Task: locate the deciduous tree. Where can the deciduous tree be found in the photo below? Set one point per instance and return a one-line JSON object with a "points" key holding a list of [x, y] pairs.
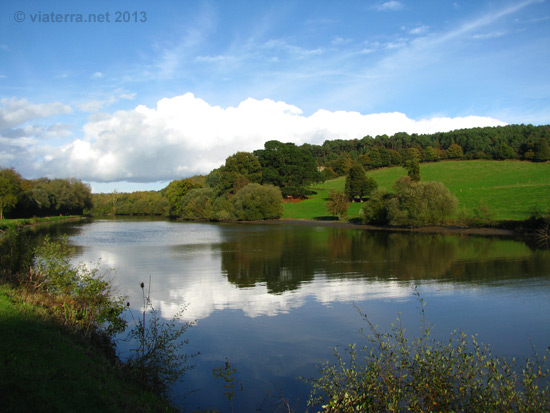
{"points": [[10, 189]]}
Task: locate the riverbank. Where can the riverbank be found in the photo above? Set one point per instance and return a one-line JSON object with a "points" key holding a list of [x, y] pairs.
{"points": [[45, 366], [447, 230], [6, 224], [49, 359]]}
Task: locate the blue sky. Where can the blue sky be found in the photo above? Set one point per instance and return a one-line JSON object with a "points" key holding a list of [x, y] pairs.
{"points": [[133, 105]]}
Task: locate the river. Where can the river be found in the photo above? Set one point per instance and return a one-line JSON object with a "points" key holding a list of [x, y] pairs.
{"points": [[275, 300]]}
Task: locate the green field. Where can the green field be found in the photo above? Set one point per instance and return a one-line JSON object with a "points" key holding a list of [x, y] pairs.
{"points": [[511, 189]]}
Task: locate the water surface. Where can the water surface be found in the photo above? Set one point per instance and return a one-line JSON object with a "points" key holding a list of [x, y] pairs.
{"points": [[276, 299]]}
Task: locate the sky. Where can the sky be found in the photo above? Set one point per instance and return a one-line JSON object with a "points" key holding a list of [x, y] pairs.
{"points": [[131, 95]]}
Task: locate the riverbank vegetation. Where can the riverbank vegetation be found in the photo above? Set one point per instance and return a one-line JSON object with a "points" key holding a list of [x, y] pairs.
{"points": [[58, 324], [394, 372]]}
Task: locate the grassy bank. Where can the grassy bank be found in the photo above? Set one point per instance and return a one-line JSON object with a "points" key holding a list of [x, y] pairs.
{"points": [[43, 366], [6, 224], [512, 190]]}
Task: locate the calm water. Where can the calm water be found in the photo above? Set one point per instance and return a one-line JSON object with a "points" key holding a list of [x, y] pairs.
{"points": [[276, 299]]}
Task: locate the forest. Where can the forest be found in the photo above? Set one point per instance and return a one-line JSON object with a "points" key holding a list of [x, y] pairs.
{"points": [[240, 189], [26, 198]]}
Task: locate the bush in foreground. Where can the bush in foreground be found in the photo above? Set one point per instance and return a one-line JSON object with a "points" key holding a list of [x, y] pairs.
{"points": [[395, 373]]}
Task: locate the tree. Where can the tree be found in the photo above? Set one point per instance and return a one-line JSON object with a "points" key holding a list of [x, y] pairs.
{"points": [[258, 202], [10, 189], [197, 204], [541, 151], [358, 184], [289, 167], [413, 169], [375, 209], [176, 191], [430, 154], [505, 152], [454, 151], [420, 203], [337, 204], [239, 170]]}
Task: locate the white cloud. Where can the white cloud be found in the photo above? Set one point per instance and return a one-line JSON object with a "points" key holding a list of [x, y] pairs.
{"points": [[97, 75], [490, 35], [389, 6], [185, 135], [14, 112], [419, 30]]}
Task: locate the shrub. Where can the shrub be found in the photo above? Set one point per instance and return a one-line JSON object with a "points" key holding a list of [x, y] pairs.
{"points": [[159, 360], [375, 211], [420, 203], [338, 204], [413, 204], [395, 373], [87, 300], [257, 202]]}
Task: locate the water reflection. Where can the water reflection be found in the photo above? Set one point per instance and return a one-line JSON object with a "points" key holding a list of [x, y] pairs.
{"points": [[276, 299], [272, 269]]}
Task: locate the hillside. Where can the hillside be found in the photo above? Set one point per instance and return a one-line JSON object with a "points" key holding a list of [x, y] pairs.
{"points": [[511, 189]]}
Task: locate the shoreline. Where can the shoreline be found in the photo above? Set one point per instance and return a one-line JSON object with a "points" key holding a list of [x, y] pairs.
{"points": [[445, 230]]}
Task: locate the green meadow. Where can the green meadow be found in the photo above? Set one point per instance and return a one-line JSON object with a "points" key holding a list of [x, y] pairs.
{"points": [[512, 190]]}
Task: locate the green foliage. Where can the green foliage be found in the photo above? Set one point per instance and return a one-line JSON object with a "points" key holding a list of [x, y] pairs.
{"points": [[45, 197], [420, 203], [82, 295], [413, 204], [375, 211], [257, 202], [10, 189], [413, 169], [221, 209], [227, 373], [337, 204], [175, 193], [395, 373], [454, 151], [541, 151], [288, 166], [239, 170], [358, 185], [159, 360], [197, 204], [43, 368], [135, 203], [16, 253]]}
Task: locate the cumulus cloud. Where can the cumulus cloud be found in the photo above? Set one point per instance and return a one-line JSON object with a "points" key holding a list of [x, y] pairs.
{"points": [[185, 135]]}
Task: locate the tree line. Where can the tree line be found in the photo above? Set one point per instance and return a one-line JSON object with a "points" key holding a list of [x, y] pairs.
{"points": [[237, 189], [26, 198], [248, 186], [520, 142]]}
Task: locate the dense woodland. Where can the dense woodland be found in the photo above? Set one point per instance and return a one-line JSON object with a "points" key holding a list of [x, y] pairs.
{"points": [[26, 198], [522, 142], [279, 170]]}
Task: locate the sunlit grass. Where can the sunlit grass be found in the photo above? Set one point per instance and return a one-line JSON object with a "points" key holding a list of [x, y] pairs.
{"points": [[511, 189]]}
